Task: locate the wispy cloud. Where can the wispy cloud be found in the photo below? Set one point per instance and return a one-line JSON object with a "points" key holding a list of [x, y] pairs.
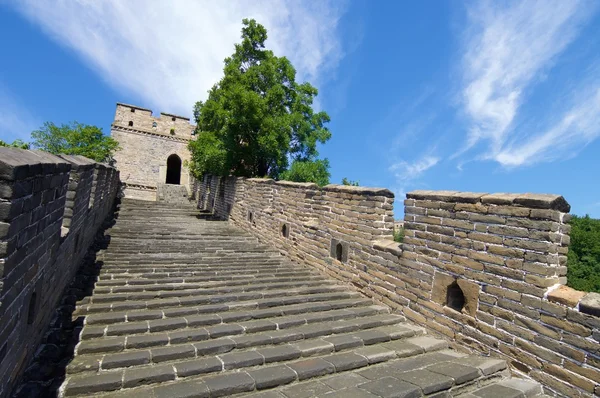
{"points": [[405, 171], [16, 122], [170, 53], [509, 48]]}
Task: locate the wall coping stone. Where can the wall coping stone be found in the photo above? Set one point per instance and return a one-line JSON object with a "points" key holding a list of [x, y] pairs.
{"points": [[530, 200], [359, 190], [388, 245], [16, 164], [565, 295], [590, 304], [79, 161], [311, 185]]}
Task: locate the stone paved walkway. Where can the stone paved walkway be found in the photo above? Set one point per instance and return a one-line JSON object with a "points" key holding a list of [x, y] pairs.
{"points": [[187, 307]]}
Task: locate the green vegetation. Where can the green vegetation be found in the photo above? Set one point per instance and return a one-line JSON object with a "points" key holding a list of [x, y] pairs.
{"points": [[584, 254], [75, 139], [399, 235], [15, 144], [257, 118], [351, 183], [316, 171]]}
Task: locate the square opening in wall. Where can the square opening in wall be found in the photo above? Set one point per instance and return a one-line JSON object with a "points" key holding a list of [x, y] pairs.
{"points": [[458, 294]]}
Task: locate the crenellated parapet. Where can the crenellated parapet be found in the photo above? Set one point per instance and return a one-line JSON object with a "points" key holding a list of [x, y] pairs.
{"points": [[486, 271], [50, 210]]}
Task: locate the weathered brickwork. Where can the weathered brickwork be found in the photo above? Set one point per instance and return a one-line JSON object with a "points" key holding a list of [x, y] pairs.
{"points": [[50, 210], [146, 143], [484, 270]]}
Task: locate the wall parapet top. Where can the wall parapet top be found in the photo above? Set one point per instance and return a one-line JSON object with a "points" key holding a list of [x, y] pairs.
{"points": [[531, 200], [354, 190]]}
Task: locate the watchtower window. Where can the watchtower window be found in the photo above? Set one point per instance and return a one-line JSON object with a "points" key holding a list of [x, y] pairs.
{"points": [[455, 297], [130, 123], [132, 110], [154, 124], [173, 119]]}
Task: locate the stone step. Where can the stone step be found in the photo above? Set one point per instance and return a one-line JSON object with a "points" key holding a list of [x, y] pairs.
{"points": [[228, 364], [508, 388], [177, 346]]}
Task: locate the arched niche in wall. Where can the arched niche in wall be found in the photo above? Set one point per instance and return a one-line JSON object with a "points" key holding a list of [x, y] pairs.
{"points": [[173, 170]]}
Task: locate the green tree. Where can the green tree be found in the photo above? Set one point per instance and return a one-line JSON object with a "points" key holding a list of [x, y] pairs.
{"points": [[316, 171], [75, 139], [583, 259], [257, 117], [351, 183], [15, 144]]}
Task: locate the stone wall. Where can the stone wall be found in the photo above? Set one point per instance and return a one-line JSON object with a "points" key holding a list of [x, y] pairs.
{"points": [[50, 208], [486, 271], [145, 144]]}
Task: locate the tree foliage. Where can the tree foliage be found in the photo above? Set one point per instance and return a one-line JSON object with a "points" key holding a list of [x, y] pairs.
{"points": [[15, 144], [351, 183], [257, 117], [584, 254], [316, 171], [75, 139]]}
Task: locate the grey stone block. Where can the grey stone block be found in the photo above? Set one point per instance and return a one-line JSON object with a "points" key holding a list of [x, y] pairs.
{"points": [[344, 380], [167, 324], [188, 335], [101, 345], [214, 346], [314, 347], [147, 340], [224, 330], [390, 387], [496, 390], [272, 376], [251, 340], [403, 349], [306, 390], [198, 366], [312, 368], [236, 360], [95, 383], [344, 342], [376, 354], [126, 359], [372, 336], [173, 352], [280, 353], [203, 320], [229, 384], [346, 361], [590, 304], [460, 373], [127, 328], [182, 389], [429, 382], [149, 375]]}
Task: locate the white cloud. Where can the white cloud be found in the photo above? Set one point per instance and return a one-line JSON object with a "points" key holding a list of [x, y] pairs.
{"points": [[170, 53], [405, 171], [16, 122], [508, 49], [577, 126]]}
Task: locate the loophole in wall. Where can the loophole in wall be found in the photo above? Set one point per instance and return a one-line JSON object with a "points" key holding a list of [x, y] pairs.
{"points": [[339, 252], [285, 231], [250, 216], [130, 123], [455, 297]]}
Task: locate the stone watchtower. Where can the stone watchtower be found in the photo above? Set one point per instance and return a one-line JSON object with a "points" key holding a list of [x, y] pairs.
{"points": [[153, 152]]}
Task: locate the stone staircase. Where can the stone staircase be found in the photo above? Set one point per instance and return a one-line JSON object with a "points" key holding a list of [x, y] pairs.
{"points": [[187, 307], [172, 194]]}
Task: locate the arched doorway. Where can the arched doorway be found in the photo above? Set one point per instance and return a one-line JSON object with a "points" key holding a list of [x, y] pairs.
{"points": [[173, 170]]}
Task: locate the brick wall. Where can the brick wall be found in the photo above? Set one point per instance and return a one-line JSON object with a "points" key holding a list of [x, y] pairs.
{"points": [[50, 210], [485, 271]]}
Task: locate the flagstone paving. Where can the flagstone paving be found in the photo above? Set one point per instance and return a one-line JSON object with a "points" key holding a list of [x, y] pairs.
{"points": [[188, 307]]}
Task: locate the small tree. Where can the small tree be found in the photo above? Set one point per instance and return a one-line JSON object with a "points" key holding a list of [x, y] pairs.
{"points": [[15, 144], [257, 117], [75, 139], [351, 183]]}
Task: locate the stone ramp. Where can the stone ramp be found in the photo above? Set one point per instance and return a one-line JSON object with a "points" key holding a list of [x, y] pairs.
{"points": [[186, 307], [173, 194]]}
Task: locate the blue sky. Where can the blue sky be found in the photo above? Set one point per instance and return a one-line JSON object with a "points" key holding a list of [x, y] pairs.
{"points": [[470, 96]]}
